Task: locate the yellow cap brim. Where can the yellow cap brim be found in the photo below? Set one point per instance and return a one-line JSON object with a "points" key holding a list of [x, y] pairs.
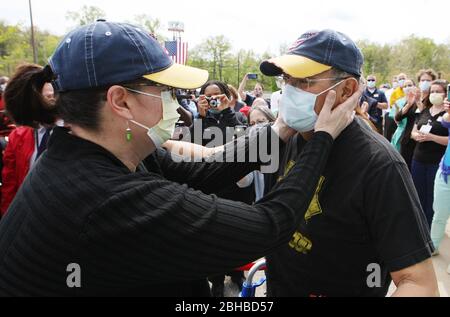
{"points": [[294, 65], [180, 76]]}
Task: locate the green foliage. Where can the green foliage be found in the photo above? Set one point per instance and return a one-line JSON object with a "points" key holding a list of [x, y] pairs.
{"points": [[217, 55], [86, 15], [15, 46], [408, 56], [153, 26]]}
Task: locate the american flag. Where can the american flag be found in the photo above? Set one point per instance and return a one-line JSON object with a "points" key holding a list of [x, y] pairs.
{"points": [[177, 50]]}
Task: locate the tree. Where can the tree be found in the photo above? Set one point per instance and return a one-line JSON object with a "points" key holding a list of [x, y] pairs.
{"points": [[216, 55], [377, 60], [153, 26], [15, 46], [86, 15]]}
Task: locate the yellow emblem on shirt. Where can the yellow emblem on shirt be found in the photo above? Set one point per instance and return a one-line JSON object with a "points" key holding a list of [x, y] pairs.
{"points": [[314, 207], [300, 243]]}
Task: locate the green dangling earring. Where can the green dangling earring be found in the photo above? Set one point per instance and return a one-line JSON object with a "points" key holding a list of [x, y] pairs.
{"points": [[129, 136]]}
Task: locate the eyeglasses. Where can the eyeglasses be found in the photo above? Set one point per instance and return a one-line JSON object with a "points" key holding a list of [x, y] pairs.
{"points": [[305, 83], [371, 80], [164, 88]]}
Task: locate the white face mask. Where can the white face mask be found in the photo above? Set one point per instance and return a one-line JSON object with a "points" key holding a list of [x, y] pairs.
{"points": [[437, 99], [164, 130], [371, 84], [425, 85], [297, 108], [407, 90]]}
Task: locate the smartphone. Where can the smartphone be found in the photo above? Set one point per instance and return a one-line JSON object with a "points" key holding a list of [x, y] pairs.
{"points": [[448, 92], [252, 76]]}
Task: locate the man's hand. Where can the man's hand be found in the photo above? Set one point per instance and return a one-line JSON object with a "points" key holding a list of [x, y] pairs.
{"points": [[335, 121]]}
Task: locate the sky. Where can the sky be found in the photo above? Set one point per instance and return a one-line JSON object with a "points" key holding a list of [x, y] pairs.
{"points": [[260, 25]]}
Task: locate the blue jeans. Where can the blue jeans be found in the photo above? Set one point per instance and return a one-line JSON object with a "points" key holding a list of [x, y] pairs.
{"points": [[423, 176], [442, 209]]}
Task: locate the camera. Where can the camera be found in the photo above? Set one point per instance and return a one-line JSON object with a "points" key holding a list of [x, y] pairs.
{"points": [[213, 102], [252, 76]]}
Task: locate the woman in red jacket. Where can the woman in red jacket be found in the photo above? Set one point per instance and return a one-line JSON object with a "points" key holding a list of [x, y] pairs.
{"points": [[27, 142]]}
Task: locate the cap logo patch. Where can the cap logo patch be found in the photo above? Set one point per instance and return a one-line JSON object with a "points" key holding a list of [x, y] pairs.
{"points": [[305, 37]]}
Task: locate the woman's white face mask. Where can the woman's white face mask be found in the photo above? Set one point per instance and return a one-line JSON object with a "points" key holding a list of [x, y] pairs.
{"points": [[164, 130]]}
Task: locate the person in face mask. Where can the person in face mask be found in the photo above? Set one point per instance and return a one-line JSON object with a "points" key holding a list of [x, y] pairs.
{"points": [[390, 125], [425, 77], [95, 221], [376, 113], [330, 249], [407, 110], [432, 139], [398, 92]]}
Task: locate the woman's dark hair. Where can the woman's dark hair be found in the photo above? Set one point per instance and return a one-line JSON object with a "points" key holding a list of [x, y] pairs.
{"points": [[222, 87], [23, 96], [27, 106]]}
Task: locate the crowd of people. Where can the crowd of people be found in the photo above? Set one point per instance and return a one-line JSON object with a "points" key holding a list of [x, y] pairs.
{"points": [[89, 175]]}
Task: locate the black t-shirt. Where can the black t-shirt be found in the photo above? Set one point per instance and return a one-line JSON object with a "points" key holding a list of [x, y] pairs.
{"points": [[430, 152], [365, 211], [374, 112], [249, 99]]}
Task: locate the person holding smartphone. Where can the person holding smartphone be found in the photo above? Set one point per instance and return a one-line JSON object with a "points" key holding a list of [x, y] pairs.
{"points": [[258, 91]]}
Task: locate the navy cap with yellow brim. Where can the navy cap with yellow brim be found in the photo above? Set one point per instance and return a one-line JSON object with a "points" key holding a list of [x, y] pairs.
{"points": [[315, 52], [294, 65], [180, 76], [104, 53]]}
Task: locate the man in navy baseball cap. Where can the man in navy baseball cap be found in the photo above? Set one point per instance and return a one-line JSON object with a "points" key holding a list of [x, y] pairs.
{"points": [[352, 226], [316, 52]]}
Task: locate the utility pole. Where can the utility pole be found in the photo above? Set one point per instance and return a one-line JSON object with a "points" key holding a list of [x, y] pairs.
{"points": [[33, 43], [238, 69]]}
